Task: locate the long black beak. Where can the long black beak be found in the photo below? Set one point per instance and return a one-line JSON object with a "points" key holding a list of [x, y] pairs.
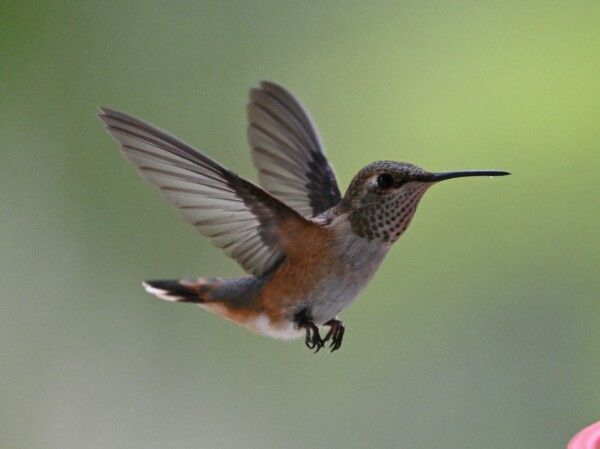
{"points": [[461, 174]]}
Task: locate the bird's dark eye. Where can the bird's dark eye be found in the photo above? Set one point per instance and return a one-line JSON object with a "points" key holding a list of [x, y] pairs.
{"points": [[385, 181]]}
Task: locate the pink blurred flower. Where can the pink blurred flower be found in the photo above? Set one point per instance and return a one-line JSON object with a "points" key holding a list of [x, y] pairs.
{"points": [[588, 438]]}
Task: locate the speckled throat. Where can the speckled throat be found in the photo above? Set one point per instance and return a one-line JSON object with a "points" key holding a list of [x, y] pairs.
{"points": [[388, 219]]}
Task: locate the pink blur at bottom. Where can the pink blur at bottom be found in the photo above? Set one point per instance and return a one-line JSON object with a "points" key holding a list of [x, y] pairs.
{"points": [[588, 438]]}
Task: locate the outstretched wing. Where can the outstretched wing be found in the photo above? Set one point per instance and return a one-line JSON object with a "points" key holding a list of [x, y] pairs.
{"points": [[287, 151], [238, 216]]}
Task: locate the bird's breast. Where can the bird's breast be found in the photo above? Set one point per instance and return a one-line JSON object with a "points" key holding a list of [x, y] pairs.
{"points": [[358, 261], [324, 274]]}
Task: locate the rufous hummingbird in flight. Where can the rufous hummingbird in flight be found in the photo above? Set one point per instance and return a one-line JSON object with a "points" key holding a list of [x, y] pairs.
{"points": [[308, 250]]}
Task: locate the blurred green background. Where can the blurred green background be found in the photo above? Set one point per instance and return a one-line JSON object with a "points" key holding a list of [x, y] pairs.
{"points": [[481, 329]]}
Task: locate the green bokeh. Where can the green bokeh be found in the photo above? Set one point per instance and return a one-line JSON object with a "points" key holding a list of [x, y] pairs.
{"points": [[481, 329]]}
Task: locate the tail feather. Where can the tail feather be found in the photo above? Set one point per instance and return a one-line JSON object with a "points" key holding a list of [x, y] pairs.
{"points": [[178, 291], [236, 293]]}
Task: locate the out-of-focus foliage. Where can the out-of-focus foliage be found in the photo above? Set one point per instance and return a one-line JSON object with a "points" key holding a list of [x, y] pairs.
{"points": [[481, 329]]}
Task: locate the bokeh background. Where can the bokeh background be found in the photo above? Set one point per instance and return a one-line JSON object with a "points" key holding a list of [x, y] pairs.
{"points": [[482, 328]]}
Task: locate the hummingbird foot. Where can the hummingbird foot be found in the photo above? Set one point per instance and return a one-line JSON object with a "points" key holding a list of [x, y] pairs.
{"points": [[313, 338], [336, 334]]}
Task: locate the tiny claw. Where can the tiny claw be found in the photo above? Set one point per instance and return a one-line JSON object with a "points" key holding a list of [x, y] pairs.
{"points": [[313, 339], [336, 334]]}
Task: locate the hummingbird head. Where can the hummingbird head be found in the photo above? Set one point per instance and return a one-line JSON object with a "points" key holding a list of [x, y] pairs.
{"points": [[383, 197]]}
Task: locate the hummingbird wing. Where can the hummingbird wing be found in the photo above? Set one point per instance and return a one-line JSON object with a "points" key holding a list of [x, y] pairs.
{"points": [[288, 153], [238, 216]]}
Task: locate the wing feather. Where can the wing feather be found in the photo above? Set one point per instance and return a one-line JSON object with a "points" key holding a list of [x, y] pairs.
{"points": [[238, 216], [288, 153]]}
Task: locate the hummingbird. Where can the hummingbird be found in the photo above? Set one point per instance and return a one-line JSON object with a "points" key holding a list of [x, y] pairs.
{"points": [[307, 250]]}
